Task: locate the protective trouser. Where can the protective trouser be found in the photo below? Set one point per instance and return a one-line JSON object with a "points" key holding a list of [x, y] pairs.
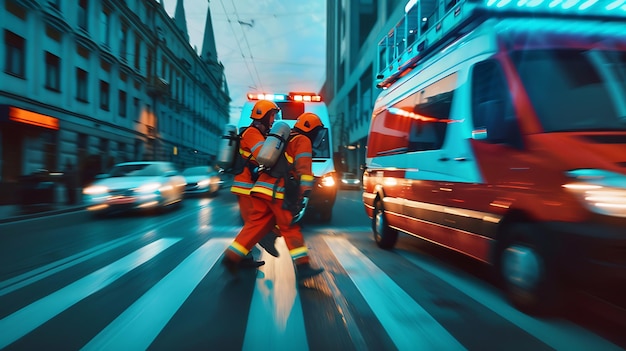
{"points": [[261, 218]]}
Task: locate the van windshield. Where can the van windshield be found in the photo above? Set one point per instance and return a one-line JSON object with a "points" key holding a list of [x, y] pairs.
{"points": [[321, 145], [575, 90]]}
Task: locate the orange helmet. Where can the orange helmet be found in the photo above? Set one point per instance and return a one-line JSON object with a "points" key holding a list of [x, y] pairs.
{"points": [[262, 107], [308, 121]]}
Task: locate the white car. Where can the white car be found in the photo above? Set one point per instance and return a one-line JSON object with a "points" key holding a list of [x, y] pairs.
{"points": [[135, 186], [202, 181]]}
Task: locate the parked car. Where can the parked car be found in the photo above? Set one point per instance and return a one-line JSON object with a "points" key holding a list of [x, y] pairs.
{"points": [[202, 181], [350, 181], [135, 186]]}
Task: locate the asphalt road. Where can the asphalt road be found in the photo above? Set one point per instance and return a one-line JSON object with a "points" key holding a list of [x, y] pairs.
{"points": [[128, 282]]}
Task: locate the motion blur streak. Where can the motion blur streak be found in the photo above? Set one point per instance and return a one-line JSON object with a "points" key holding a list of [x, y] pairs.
{"points": [[32, 316], [276, 302], [406, 322], [140, 324]]}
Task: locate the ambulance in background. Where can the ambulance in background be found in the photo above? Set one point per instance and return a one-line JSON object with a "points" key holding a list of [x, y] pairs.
{"points": [[500, 133], [292, 105]]}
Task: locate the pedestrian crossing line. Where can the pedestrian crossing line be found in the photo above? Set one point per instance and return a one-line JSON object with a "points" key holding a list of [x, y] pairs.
{"points": [[275, 320], [557, 335], [43, 272], [404, 320], [32, 316], [138, 326]]}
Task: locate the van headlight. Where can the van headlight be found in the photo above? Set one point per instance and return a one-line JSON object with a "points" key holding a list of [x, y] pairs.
{"points": [[328, 180], [600, 191]]}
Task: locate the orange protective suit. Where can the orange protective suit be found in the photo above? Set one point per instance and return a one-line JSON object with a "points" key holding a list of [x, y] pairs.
{"points": [[266, 198], [249, 146]]}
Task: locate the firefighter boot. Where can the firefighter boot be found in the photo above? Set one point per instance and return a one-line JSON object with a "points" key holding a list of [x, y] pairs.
{"points": [[305, 271], [249, 262], [246, 262], [268, 243]]}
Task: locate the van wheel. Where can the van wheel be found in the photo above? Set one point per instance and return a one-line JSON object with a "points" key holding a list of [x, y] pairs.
{"points": [[526, 271], [384, 235]]}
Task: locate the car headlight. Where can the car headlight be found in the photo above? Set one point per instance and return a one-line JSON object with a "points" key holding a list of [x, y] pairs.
{"points": [[327, 180], [204, 183], [95, 190], [600, 191], [148, 188]]}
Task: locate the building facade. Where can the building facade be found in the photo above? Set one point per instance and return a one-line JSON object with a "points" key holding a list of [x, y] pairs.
{"points": [[354, 30], [90, 83]]}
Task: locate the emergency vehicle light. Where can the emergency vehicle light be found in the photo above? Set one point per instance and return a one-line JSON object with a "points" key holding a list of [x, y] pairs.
{"points": [[613, 7], [423, 28], [292, 96], [270, 97]]}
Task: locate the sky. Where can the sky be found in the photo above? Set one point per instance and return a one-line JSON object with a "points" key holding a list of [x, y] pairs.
{"points": [[272, 46]]}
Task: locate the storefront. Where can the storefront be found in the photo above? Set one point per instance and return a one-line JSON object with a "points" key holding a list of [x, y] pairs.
{"points": [[28, 142]]}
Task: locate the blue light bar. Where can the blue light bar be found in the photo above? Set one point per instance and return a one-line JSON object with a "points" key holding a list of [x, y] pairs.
{"points": [[292, 96], [562, 7]]}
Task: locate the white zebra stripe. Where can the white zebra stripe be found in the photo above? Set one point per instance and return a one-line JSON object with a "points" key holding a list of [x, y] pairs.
{"points": [[32, 316], [406, 322], [141, 323], [275, 320]]}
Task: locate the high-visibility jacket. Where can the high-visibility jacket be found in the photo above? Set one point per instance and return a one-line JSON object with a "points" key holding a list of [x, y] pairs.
{"points": [[298, 153], [249, 146]]}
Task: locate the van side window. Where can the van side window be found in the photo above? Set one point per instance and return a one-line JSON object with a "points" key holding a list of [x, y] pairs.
{"points": [[492, 109], [432, 114], [418, 122]]}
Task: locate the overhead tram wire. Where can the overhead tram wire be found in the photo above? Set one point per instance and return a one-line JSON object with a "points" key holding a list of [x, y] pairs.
{"points": [[245, 37], [230, 24]]}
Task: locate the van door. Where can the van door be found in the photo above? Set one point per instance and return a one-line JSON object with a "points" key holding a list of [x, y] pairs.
{"points": [[427, 164]]}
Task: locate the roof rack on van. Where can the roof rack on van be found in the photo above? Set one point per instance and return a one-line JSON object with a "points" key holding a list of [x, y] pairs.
{"points": [[430, 25]]}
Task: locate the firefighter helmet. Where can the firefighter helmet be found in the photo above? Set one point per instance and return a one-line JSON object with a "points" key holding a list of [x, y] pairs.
{"points": [[308, 121], [262, 107]]}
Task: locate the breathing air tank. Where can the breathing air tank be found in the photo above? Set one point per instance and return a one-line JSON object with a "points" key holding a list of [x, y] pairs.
{"points": [[274, 144], [228, 147]]}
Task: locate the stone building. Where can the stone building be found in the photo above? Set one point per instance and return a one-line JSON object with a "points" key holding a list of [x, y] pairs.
{"points": [[95, 82]]}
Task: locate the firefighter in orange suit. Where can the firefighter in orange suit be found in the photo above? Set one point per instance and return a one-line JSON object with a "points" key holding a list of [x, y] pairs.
{"points": [[271, 202], [263, 114]]}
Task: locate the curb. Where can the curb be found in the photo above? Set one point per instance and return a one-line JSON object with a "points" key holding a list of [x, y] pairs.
{"points": [[22, 217]]}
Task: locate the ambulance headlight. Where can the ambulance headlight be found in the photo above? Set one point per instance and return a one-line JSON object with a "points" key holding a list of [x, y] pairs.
{"points": [[328, 180], [600, 191]]}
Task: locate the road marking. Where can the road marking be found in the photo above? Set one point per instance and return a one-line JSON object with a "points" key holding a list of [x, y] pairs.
{"points": [[32, 316], [404, 320], [40, 273], [275, 320], [138, 326], [559, 335]]}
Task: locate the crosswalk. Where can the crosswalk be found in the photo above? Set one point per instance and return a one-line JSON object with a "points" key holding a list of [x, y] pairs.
{"points": [[360, 302]]}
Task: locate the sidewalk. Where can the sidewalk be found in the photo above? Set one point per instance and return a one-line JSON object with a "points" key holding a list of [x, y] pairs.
{"points": [[13, 213]]}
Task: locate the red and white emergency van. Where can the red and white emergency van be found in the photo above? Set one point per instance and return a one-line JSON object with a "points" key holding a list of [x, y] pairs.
{"points": [[500, 133], [292, 105]]}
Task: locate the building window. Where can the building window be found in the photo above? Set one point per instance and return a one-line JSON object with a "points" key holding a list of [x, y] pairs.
{"points": [[122, 103], [136, 111], [81, 85], [123, 42], [104, 26], [137, 51], [82, 15], [15, 58], [53, 72], [104, 95]]}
